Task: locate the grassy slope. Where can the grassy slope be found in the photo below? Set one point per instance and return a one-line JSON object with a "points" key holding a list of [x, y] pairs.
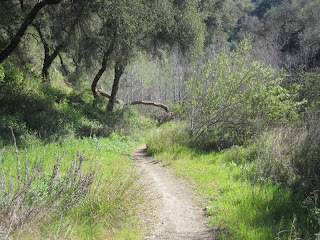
{"points": [[241, 210], [110, 209]]}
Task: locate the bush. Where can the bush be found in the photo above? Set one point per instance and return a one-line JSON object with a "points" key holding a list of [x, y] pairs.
{"points": [[169, 134], [275, 150], [310, 88], [230, 98], [290, 155]]}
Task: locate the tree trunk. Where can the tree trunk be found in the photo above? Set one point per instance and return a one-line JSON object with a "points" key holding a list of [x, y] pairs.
{"points": [[27, 21], [21, 4], [64, 67], [48, 60], [118, 71], [103, 68]]}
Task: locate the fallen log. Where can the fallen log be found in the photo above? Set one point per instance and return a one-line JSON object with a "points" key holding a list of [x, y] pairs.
{"points": [[155, 104], [152, 104]]}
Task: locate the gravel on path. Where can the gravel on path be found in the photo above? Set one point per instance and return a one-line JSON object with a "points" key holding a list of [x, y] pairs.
{"points": [[175, 213]]}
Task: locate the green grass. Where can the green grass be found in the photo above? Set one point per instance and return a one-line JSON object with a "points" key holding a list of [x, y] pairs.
{"points": [[240, 209], [110, 209]]}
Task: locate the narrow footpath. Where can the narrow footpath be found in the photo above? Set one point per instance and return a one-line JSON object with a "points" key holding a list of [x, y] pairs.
{"points": [[175, 213]]}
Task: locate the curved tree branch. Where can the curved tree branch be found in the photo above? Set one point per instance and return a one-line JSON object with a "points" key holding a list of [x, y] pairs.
{"points": [[150, 103], [107, 95], [155, 104]]}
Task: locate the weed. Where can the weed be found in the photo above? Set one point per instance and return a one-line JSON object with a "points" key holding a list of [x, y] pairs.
{"points": [[71, 189], [31, 196]]}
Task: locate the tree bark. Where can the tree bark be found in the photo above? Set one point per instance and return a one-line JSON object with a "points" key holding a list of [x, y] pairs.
{"points": [[64, 67], [155, 104], [152, 104], [21, 4], [107, 95], [103, 68], [118, 71], [27, 21], [48, 60]]}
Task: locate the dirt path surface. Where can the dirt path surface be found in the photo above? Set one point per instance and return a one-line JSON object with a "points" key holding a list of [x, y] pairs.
{"points": [[175, 214]]}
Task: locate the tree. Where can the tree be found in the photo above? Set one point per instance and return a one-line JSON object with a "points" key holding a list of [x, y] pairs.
{"points": [[56, 28], [222, 17], [48, 58], [26, 23], [287, 34], [144, 25], [264, 5]]}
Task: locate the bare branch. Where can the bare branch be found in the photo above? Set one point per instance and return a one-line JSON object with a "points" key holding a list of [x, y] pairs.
{"points": [[107, 95], [150, 103]]}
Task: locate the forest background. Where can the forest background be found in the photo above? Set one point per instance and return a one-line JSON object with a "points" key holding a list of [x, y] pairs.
{"points": [[236, 78]]}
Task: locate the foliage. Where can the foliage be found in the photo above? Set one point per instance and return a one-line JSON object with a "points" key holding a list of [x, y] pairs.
{"points": [[310, 89], [222, 17], [287, 35], [51, 111], [170, 134], [231, 94]]}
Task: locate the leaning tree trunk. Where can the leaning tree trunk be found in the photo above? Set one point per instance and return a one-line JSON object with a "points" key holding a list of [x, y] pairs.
{"points": [[118, 71], [103, 68], [48, 60], [27, 21]]}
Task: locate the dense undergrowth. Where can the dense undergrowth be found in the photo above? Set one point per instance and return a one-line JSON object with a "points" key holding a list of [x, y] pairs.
{"points": [[52, 110], [265, 189], [68, 174]]}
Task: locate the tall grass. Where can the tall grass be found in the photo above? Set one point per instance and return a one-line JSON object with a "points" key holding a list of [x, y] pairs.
{"points": [[74, 189], [240, 207]]}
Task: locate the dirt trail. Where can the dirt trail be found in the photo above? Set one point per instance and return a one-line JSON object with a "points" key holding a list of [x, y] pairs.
{"points": [[176, 214]]}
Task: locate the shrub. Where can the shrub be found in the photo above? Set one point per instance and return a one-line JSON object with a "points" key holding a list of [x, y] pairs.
{"points": [[169, 134], [291, 155], [310, 88], [231, 97], [275, 150]]}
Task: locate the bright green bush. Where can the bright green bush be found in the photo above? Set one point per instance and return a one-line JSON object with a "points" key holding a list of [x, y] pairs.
{"points": [[170, 134], [231, 97]]}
